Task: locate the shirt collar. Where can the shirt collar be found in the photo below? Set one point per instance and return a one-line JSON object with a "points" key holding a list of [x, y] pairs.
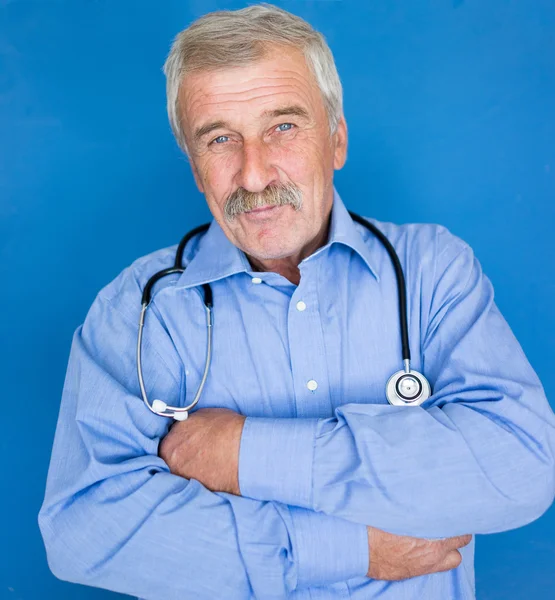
{"points": [[343, 230], [217, 257]]}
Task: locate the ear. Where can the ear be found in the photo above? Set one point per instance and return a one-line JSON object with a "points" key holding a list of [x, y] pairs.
{"points": [[340, 138]]}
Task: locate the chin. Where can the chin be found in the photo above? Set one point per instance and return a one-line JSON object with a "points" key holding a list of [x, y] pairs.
{"points": [[268, 254], [272, 251]]}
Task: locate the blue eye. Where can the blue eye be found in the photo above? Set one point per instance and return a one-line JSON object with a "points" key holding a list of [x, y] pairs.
{"points": [[221, 139], [285, 127]]}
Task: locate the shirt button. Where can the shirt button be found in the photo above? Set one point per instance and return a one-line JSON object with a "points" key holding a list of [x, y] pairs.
{"points": [[256, 280], [301, 305], [312, 385]]}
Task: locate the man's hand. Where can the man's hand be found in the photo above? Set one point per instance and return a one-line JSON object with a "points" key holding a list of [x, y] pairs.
{"points": [[395, 557], [205, 447]]}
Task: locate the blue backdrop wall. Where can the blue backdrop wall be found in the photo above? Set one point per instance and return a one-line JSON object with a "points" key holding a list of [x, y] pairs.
{"points": [[451, 113]]}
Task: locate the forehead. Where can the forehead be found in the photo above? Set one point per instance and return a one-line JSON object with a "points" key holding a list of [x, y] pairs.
{"points": [[282, 76]]}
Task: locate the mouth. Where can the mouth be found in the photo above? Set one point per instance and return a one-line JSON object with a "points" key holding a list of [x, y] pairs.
{"points": [[264, 212], [261, 209]]}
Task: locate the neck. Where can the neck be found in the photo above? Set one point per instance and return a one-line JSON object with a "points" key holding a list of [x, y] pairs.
{"points": [[288, 266]]}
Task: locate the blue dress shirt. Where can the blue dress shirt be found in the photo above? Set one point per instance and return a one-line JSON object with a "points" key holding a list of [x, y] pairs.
{"points": [[322, 453]]}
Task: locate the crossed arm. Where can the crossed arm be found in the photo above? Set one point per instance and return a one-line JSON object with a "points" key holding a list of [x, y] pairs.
{"points": [[477, 457], [115, 516], [206, 448]]}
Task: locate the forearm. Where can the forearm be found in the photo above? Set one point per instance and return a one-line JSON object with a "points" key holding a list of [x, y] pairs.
{"points": [[155, 542], [115, 517], [425, 473], [476, 457], [171, 538]]}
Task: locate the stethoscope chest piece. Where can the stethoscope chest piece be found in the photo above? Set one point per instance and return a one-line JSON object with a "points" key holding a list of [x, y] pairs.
{"points": [[407, 389]]}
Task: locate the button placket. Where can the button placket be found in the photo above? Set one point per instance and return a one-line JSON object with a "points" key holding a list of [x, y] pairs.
{"points": [[306, 348]]}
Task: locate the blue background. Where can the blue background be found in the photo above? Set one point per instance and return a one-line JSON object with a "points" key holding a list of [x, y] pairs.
{"points": [[451, 113]]}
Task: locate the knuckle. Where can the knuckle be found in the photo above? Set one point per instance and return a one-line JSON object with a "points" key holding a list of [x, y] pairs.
{"points": [[439, 551], [169, 451], [173, 456]]}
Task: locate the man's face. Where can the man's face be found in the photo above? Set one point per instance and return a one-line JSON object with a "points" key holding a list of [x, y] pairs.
{"points": [[263, 125]]}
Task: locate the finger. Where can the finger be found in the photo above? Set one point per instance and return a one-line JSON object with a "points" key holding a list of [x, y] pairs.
{"points": [[451, 561], [458, 542], [467, 538]]}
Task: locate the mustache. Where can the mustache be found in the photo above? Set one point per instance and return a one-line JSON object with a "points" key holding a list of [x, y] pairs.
{"points": [[276, 194]]}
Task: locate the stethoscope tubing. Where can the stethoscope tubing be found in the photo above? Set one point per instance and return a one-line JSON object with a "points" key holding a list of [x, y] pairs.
{"points": [[396, 394]]}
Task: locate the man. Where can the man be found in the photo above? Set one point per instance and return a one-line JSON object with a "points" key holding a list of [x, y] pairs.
{"points": [[293, 476]]}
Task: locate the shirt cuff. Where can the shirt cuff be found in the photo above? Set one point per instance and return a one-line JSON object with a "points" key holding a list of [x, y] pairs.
{"points": [[327, 549], [275, 460]]}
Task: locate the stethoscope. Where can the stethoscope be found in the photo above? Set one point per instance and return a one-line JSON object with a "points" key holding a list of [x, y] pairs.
{"points": [[403, 388]]}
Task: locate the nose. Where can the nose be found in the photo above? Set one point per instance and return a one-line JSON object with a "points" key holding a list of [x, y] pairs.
{"points": [[256, 171]]}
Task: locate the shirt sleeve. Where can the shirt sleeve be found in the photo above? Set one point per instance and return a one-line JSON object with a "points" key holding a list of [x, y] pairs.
{"points": [[477, 457], [116, 518]]}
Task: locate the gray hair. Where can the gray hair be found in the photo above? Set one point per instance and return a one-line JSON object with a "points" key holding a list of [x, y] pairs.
{"points": [[229, 38]]}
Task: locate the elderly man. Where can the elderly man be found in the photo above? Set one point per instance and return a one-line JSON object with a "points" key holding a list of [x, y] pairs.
{"points": [[293, 477]]}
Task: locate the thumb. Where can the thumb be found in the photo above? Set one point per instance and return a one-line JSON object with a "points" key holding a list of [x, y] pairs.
{"points": [[451, 561]]}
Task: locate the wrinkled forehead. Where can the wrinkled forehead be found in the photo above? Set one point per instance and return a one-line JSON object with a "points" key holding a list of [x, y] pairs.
{"points": [[281, 77]]}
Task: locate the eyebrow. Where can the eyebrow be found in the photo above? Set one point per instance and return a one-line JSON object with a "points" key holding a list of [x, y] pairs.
{"points": [[209, 127], [294, 110]]}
